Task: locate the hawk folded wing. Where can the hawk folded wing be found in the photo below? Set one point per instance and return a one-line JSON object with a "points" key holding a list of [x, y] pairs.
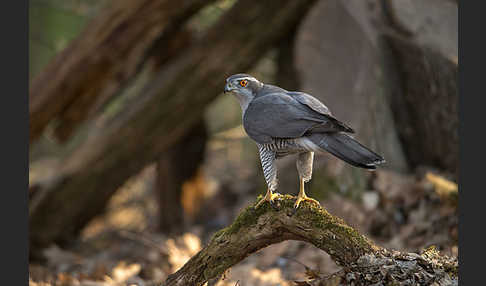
{"points": [[288, 115]]}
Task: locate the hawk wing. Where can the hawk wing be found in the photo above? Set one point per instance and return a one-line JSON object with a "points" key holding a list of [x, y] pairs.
{"points": [[286, 115], [319, 107]]}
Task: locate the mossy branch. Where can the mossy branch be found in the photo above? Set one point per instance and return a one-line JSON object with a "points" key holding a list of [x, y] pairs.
{"points": [[255, 229]]}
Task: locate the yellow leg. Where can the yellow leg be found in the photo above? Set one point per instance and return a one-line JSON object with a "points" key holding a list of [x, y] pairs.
{"points": [[302, 196], [269, 197]]}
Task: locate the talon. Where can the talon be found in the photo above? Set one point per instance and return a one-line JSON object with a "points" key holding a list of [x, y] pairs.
{"points": [[303, 197], [269, 197]]}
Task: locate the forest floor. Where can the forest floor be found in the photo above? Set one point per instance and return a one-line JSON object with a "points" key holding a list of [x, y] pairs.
{"points": [[123, 247]]}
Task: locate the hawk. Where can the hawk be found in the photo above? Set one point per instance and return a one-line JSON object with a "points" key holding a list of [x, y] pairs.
{"points": [[285, 122]]}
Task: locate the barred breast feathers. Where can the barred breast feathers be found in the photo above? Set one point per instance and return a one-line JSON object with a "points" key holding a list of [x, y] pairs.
{"points": [[291, 145], [280, 144]]}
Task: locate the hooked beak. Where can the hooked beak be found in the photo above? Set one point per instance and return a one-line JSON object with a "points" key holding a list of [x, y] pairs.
{"points": [[227, 88]]}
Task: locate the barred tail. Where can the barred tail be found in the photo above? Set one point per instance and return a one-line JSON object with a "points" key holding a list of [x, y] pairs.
{"points": [[347, 149]]}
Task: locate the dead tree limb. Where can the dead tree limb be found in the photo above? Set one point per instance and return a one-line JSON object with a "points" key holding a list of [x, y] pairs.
{"points": [[256, 229], [168, 106]]}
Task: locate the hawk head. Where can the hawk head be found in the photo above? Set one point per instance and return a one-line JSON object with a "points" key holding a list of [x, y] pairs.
{"points": [[244, 86]]}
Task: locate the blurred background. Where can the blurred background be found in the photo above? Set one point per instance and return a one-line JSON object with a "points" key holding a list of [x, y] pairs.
{"points": [[137, 157]]}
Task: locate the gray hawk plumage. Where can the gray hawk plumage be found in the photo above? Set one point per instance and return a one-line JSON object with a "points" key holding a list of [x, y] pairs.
{"points": [[284, 122]]}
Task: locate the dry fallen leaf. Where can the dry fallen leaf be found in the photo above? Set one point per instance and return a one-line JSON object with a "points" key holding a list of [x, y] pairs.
{"points": [[181, 249], [123, 272]]}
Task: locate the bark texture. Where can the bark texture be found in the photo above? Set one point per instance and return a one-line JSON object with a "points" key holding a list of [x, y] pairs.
{"points": [[168, 106], [424, 43], [100, 61], [366, 262]]}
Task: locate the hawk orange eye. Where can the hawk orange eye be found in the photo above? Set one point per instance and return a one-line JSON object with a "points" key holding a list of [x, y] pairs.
{"points": [[243, 83]]}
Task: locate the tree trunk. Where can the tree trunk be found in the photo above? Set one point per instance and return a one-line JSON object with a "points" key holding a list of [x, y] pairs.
{"points": [[176, 166], [287, 74], [340, 63], [168, 106], [424, 43], [99, 62], [367, 263]]}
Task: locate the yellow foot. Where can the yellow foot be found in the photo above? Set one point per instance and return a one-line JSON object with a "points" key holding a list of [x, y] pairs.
{"points": [[269, 197], [304, 198]]}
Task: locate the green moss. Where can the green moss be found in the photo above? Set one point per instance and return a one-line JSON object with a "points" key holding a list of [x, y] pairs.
{"points": [[320, 218], [218, 233], [249, 216], [309, 212]]}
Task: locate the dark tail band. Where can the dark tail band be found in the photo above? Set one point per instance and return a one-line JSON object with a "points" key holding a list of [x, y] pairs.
{"points": [[347, 149]]}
